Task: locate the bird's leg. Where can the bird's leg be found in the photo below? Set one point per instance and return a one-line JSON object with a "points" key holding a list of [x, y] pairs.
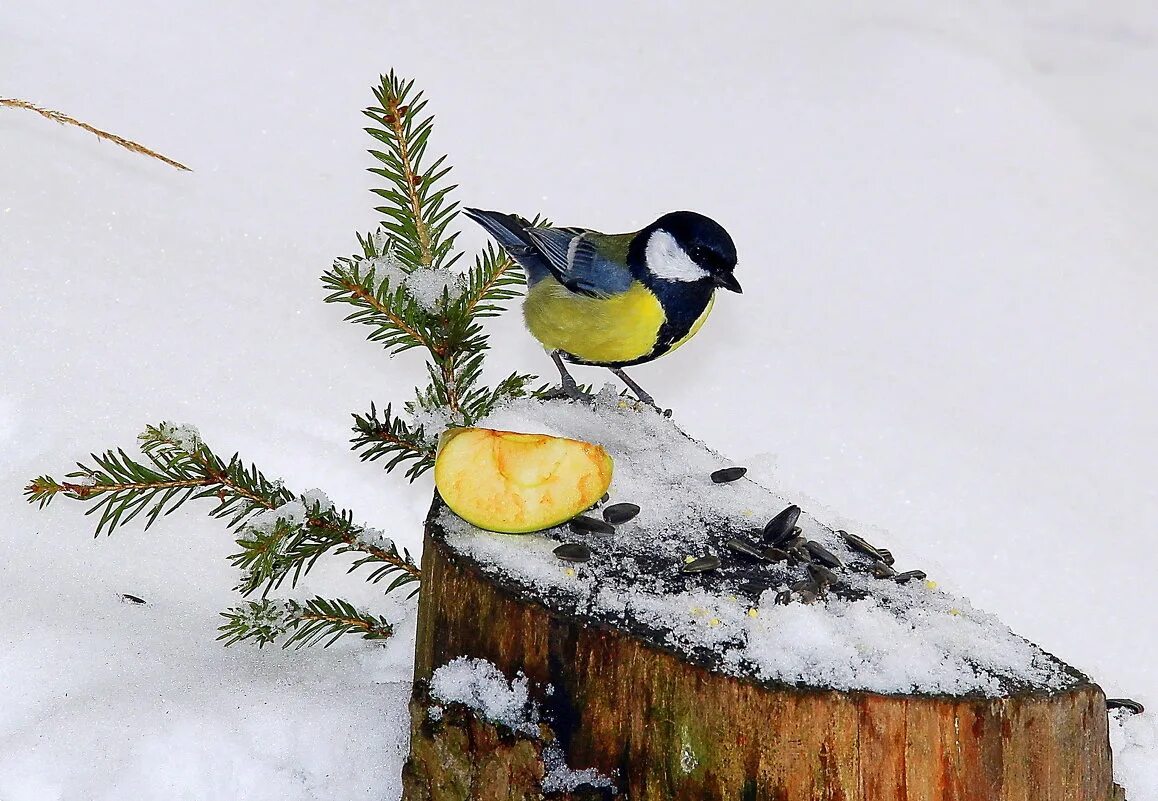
{"points": [[643, 396], [569, 387]]}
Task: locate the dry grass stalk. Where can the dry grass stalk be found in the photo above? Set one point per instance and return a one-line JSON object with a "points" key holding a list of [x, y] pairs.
{"points": [[64, 119]]}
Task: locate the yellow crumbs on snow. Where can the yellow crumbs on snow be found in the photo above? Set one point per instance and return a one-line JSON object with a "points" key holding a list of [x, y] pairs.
{"points": [[753, 612], [955, 611], [714, 621], [569, 572], [689, 559], [932, 585]]}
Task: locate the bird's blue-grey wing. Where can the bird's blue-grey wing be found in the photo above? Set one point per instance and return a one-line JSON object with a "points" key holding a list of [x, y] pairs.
{"points": [[578, 264]]}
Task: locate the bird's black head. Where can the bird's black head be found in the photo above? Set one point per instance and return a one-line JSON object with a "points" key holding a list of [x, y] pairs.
{"points": [[685, 246]]}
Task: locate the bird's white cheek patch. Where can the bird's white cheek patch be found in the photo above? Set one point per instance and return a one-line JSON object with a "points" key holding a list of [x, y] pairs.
{"points": [[666, 259]]}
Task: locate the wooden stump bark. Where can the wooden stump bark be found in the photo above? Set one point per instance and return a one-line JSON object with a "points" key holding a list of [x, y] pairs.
{"points": [[664, 728]]}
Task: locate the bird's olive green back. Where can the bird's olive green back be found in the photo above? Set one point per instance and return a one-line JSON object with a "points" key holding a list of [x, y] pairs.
{"points": [[612, 247]]}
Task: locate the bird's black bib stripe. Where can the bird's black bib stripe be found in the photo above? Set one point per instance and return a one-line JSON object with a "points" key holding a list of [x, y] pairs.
{"points": [[683, 303]]}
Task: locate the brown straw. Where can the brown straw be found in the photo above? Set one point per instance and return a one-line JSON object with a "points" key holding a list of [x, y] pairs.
{"points": [[64, 119]]}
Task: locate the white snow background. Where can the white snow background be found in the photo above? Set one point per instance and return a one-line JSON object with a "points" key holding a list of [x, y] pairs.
{"points": [[947, 338]]}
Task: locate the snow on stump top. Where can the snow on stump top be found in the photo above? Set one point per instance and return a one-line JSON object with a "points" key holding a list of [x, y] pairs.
{"points": [[691, 651]]}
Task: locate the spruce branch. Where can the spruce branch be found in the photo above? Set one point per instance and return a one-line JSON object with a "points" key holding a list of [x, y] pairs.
{"points": [[481, 402], [123, 488], [418, 208], [403, 287], [388, 435], [320, 619], [287, 550], [267, 621], [281, 534], [398, 322], [494, 279]]}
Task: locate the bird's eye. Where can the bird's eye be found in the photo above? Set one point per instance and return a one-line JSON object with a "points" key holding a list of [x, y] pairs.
{"points": [[699, 253]]}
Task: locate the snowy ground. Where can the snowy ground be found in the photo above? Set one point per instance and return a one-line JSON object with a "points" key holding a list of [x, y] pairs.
{"points": [[947, 338]]}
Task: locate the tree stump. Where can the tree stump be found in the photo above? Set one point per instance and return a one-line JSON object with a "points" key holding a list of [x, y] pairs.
{"points": [[666, 717]]}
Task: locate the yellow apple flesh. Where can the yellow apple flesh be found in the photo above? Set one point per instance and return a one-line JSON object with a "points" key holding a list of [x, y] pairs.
{"points": [[517, 483]]}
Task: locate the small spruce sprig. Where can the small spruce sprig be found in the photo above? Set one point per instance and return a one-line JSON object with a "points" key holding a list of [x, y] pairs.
{"points": [[403, 284]]}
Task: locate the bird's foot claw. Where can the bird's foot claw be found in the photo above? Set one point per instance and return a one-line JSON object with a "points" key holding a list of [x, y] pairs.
{"points": [[662, 412], [574, 393], [568, 393]]}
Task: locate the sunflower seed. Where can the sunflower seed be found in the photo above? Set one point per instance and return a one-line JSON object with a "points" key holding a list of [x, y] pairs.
{"points": [[573, 552], [1128, 704], [779, 529], [858, 544], [822, 575], [799, 554], [590, 525], [728, 474], [809, 591], [133, 599], [886, 556], [909, 575], [881, 570], [776, 555], [822, 554], [702, 564], [745, 548], [783, 598], [618, 513]]}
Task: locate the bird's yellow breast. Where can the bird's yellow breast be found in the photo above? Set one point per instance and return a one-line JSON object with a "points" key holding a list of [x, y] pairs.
{"points": [[621, 328]]}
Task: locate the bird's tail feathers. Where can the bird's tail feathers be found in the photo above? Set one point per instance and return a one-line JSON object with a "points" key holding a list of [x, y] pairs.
{"points": [[511, 232]]}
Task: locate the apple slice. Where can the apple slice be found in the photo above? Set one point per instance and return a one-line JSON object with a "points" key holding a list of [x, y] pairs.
{"points": [[516, 483]]}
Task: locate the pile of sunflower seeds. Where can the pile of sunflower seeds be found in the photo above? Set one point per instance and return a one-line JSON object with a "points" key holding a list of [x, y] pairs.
{"points": [[779, 541]]}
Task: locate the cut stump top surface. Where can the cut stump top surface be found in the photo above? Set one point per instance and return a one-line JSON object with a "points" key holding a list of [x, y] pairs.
{"points": [[865, 634]]}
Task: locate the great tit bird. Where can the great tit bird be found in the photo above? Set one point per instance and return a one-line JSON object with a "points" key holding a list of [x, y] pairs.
{"points": [[615, 300]]}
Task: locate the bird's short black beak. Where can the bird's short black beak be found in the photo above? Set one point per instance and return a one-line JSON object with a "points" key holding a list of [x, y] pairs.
{"points": [[728, 282]]}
